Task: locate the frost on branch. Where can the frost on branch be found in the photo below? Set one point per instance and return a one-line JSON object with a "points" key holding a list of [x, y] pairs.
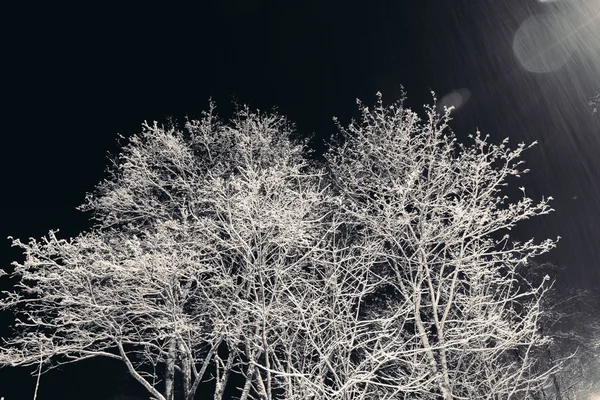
{"points": [[221, 254], [594, 103], [193, 228], [436, 209]]}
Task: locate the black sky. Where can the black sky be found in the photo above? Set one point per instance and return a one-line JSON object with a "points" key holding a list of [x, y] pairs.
{"points": [[75, 77]]}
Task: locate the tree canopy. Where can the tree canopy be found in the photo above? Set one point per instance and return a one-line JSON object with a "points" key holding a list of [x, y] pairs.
{"points": [[221, 256]]}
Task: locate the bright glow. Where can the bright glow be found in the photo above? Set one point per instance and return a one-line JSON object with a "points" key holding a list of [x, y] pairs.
{"points": [[457, 98], [541, 43], [594, 396], [547, 41]]}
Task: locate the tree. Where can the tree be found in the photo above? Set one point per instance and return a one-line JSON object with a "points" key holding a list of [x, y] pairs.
{"points": [[166, 281], [574, 323], [571, 317], [436, 207], [220, 253]]}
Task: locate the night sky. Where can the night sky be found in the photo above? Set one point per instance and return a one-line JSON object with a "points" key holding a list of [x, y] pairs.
{"points": [[75, 78]]}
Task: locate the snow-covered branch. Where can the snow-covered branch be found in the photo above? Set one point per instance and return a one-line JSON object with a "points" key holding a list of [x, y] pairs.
{"points": [[221, 252]]}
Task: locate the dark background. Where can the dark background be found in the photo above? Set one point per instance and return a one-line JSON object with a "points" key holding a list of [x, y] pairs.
{"points": [[77, 76]]}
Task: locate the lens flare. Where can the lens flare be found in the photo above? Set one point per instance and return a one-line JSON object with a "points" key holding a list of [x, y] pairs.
{"points": [[546, 42]]}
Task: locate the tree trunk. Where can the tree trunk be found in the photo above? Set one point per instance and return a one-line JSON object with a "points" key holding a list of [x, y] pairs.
{"points": [[200, 374], [170, 371], [262, 391], [222, 381], [248, 383], [186, 369]]}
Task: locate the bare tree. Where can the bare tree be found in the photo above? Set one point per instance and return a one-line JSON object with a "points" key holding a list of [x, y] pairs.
{"points": [[571, 317], [575, 327], [438, 210], [170, 281], [220, 253]]}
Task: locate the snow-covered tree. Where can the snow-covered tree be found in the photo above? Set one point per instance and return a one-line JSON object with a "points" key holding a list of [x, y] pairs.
{"points": [[574, 324], [220, 253], [572, 317], [464, 327], [173, 279]]}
